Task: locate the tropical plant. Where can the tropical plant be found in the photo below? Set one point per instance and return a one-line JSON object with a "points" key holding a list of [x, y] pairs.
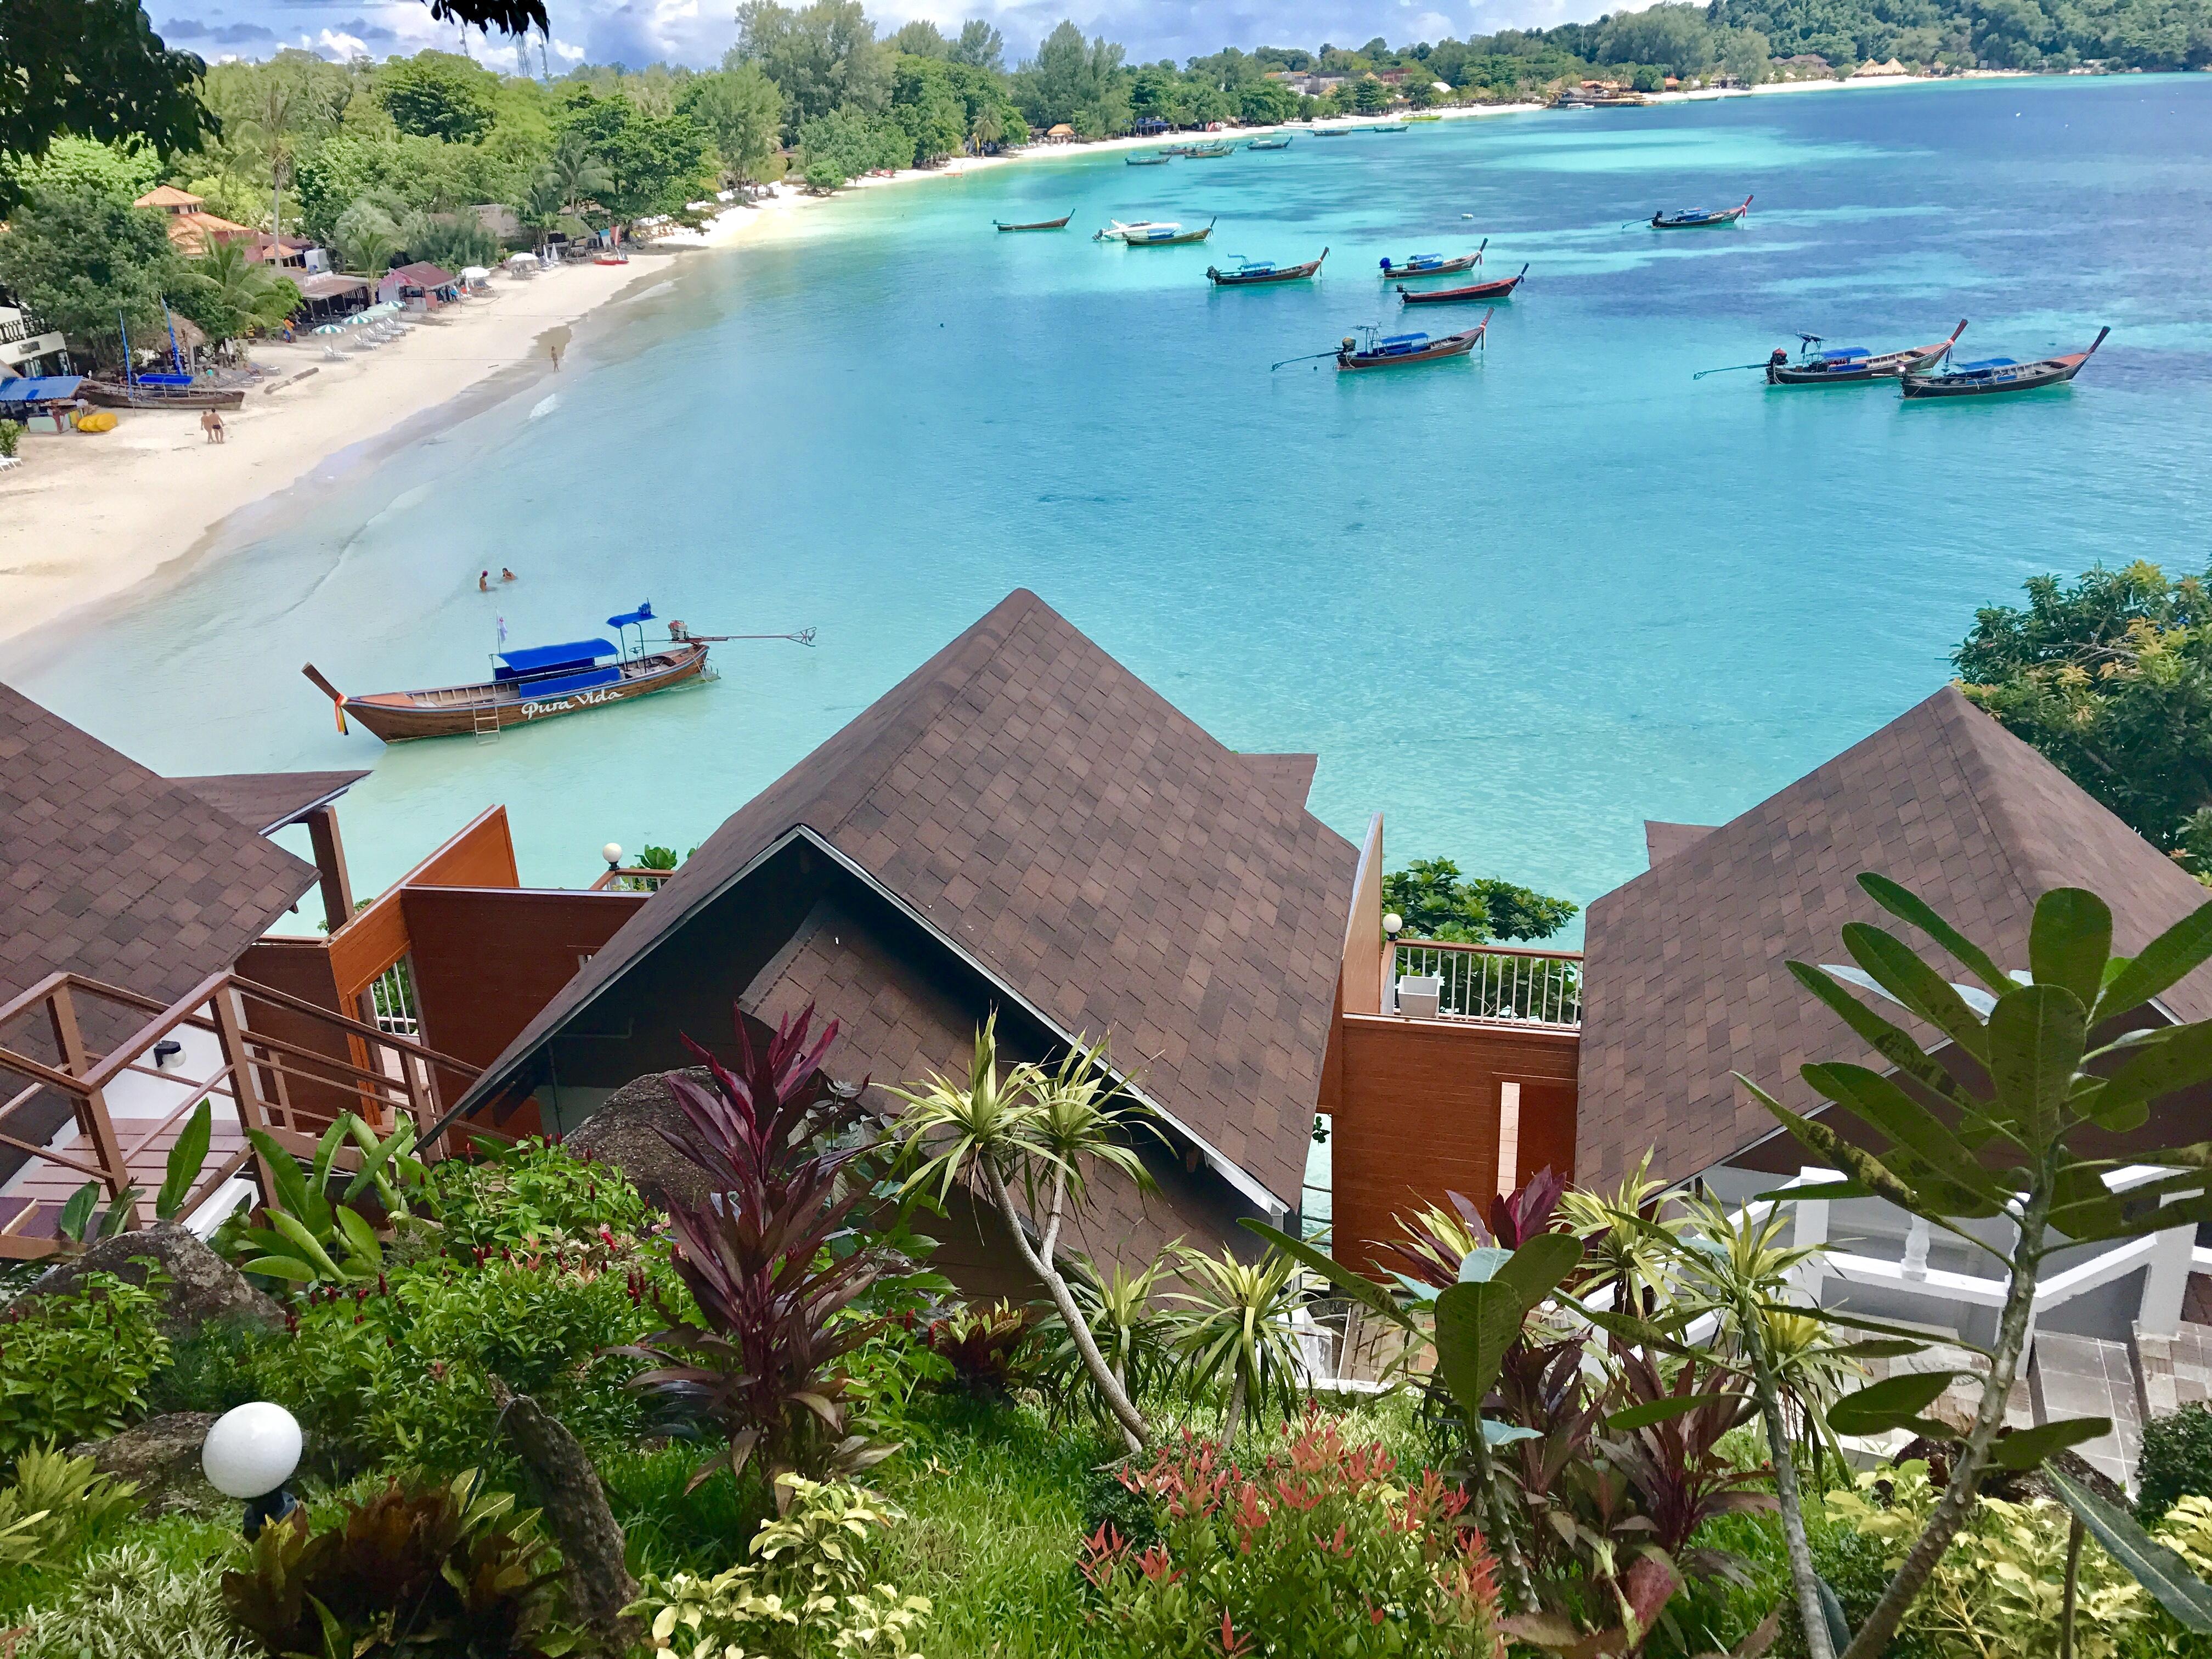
{"points": [[11, 437], [1042, 1132], [1318, 1549], [2007, 1145], [1435, 900], [133, 1601], [75, 1364], [983, 1346], [1128, 1330], [1629, 1260], [534, 1195], [421, 1567], [58, 1505], [1236, 1319], [310, 1239], [773, 1259], [367, 236], [576, 176], [2176, 1461], [228, 293], [452, 241], [805, 1591], [1434, 1241]]}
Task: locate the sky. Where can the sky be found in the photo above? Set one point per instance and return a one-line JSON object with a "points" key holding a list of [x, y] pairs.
{"points": [[697, 32]]}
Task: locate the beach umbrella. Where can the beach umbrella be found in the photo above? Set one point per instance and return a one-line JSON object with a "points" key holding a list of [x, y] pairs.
{"points": [[330, 328]]}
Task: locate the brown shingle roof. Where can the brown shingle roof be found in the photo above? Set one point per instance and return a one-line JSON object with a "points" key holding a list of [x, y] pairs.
{"points": [[1046, 812], [1685, 977], [265, 802], [108, 871], [1661, 840]]}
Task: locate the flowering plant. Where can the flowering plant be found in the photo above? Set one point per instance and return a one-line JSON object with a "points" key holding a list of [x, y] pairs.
{"points": [[1316, 1549]]}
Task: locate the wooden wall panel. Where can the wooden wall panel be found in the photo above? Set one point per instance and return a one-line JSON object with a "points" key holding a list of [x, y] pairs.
{"points": [[1416, 1116], [481, 855], [301, 967], [486, 959]]}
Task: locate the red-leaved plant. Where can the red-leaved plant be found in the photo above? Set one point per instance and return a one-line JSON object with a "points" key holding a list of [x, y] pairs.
{"points": [[772, 1259], [1316, 1549]]}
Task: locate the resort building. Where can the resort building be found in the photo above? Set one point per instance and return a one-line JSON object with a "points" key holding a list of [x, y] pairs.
{"points": [[192, 228], [29, 348]]}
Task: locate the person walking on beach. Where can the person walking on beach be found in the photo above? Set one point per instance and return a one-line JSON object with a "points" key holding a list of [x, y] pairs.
{"points": [[483, 581], [554, 347], [211, 423]]}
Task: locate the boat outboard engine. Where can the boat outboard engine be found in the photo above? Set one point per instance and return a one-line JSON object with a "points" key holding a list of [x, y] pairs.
{"points": [[1780, 357]]}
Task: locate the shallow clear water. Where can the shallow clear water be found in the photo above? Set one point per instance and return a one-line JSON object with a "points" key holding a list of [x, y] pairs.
{"points": [[1518, 603]]}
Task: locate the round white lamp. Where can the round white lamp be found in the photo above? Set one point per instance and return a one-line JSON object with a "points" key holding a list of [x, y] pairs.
{"points": [[249, 1454], [1393, 924], [612, 853]]}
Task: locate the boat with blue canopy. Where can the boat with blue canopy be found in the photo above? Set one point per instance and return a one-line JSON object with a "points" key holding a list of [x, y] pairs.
{"points": [[532, 683], [1364, 350], [1252, 273], [1995, 375], [1699, 218], [1432, 264], [1822, 365]]}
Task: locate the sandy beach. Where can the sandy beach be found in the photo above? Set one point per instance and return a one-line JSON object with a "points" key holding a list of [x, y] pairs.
{"points": [[87, 517]]}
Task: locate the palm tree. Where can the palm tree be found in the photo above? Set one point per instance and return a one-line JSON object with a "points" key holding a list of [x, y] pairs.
{"points": [[575, 176], [986, 129], [273, 118], [237, 292], [1038, 1130]]}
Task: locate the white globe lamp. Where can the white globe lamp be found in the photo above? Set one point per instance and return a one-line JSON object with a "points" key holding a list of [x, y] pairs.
{"points": [[1393, 924], [249, 1454], [612, 853]]}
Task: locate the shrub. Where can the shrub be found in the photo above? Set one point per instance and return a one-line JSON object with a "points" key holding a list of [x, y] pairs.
{"points": [[419, 1568], [63, 1503], [1314, 1551], [805, 1591], [11, 434], [74, 1366], [131, 1603], [983, 1346], [212, 1367], [534, 1195], [669, 1522], [2177, 1459]]}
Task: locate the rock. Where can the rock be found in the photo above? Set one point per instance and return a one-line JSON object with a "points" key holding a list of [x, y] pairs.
{"points": [[162, 1456], [575, 1507], [202, 1285], [625, 1133]]}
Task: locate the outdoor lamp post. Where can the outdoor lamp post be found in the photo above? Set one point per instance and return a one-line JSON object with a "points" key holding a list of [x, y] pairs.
{"points": [[612, 853], [249, 1454], [1393, 924]]}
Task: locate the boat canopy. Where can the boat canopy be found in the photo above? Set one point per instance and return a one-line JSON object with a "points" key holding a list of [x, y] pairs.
{"points": [[633, 618], [1843, 355], [1397, 340], [1986, 362], [551, 658]]}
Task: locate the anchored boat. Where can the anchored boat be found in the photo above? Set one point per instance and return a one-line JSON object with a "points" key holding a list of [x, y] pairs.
{"points": [[1212, 152], [1994, 374], [1396, 350], [529, 685], [1060, 223], [1433, 265], [1278, 140], [1848, 365], [1248, 273], [1499, 288], [1149, 233], [1699, 218], [1147, 160]]}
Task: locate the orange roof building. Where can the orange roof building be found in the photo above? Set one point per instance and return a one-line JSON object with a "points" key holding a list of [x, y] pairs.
{"points": [[191, 229]]}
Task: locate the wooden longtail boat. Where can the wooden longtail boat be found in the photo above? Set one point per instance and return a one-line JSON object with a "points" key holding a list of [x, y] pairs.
{"points": [[1163, 235], [1208, 152], [1251, 273], [1396, 350], [1388, 126], [1432, 264], [1411, 118], [1500, 288], [1332, 132], [1060, 223], [109, 395], [1147, 161], [528, 686], [1994, 374], [1280, 141], [1853, 365], [1699, 218]]}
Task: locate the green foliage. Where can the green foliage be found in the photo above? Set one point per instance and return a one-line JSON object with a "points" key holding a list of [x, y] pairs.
{"points": [[742, 110], [313, 1240], [83, 166], [1298, 1555], [132, 1603], [452, 241], [672, 1523], [1076, 81], [821, 57], [213, 1366], [533, 1195], [845, 144], [11, 437], [422, 1568], [1232, 1328], [805, 1592], [74, 1366], [230, 294], [1133, 1334], [1437, 901], [2111, 678], [58, 1505], [438, 94], [654, 164], [986, 1349], [79, 260], [2176, 1461]]}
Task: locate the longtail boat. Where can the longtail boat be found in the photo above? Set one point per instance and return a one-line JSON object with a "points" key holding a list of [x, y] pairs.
{"points": [[138, 394], [1060, 223], [1332, 132], [1699, 218], [1279, 141], [1396, 350], [1147, 160], [1500, 288], [1432, 264], [1169, 234], [1849, 365], [526, 686], [1410, 118], [1387, 126], [1116, 230], [1251, 272], [1176, 150], [1208, 152], [1994, 374]]}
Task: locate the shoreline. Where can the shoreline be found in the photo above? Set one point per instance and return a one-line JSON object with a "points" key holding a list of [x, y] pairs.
{"points": [[87, 519]]}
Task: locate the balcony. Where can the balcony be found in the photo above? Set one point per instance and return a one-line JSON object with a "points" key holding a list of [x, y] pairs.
{"points": [[16, 327], [1494, 984]]}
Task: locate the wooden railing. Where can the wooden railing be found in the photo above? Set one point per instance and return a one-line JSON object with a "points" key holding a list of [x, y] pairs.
{"points": [[1501, 982], [266, 1060], [631, 878]]}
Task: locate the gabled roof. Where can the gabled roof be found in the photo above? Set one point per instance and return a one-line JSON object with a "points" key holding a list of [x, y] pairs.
{"points": [[420, 274], [108, 871], [1043, 812], [169, 196], [1662, 840], [265, 802], [1684, 972]]}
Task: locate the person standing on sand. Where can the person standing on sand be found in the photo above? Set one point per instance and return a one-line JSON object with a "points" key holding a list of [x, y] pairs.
{"points": [[211, 423], [554, 347], [483, 581]]}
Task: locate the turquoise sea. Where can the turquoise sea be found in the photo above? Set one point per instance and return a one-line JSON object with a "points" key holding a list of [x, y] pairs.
{"points": [[1519, 604]]}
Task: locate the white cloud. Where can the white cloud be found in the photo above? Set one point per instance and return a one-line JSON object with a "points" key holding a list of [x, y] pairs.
{"points": [[566, 52], [334, 44]]}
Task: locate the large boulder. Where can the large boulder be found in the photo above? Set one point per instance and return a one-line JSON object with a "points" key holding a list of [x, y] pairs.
{"points": [[201, 1285], [162, 1456], [625, 1132]]}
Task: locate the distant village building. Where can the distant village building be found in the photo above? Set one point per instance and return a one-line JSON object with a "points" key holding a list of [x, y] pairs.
{"points": [[29, 348], [1062, 134], [192, 228], [1803, 66], [420, 286], [1870, 69]]}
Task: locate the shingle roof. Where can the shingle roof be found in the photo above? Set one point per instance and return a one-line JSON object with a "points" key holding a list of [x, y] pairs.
{"points": [[1094, 850], [1662, 840], [266, 802], [1684, 980], [108, 871]]}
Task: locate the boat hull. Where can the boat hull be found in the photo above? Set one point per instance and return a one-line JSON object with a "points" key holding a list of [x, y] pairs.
{"points": [[1701, 220], [1060, 223], [2017, 377], [109, 396], [1501, 289], [1451, 345], [1888, 365], [464, 710], [1256, 279], [1399, 273]]}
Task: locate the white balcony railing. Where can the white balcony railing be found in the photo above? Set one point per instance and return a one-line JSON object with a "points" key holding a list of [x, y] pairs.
{"points": [[1495, 983]]}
